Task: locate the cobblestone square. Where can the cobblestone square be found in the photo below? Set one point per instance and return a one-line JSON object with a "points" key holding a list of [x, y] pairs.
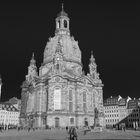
{"points": [[62, 135]]}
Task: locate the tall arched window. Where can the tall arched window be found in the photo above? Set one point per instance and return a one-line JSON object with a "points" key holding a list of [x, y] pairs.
{"points": [[70, 101], [84, 102], [57, 122], [59, 24], [57, 98], [65, 24]]}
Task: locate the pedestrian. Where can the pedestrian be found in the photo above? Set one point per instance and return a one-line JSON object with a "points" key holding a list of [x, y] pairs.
{"points": [[124, 127], [85, 130], [29, 128], [74, 134], [70, 133], [67, 128], [0, 128]]}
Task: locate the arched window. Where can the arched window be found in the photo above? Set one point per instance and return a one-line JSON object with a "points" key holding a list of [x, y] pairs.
{"points": [[57, 66], [72, 120], [84, 102], [56, 122], [59, 24], [57, 99], [70, 101], [65, 24]]}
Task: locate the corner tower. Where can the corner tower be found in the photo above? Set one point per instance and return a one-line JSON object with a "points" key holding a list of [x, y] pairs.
{"points": [[32, 70]]}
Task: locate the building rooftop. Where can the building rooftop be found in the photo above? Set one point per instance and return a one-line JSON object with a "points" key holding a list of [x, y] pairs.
{"points": [[8, 107]]}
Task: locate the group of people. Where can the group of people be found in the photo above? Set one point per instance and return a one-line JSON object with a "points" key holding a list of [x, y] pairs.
{"points": [[1, 128], [72, 133]]}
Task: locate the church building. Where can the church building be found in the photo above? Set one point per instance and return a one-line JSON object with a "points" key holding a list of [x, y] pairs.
{"points": [[59, 94]]}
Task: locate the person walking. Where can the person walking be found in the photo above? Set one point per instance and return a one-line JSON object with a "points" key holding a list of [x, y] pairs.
{"points": [[85, 130], [67, 128], [74, 133], [0, 128], [70, 133]]}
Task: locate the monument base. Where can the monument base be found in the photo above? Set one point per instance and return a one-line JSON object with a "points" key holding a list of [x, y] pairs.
{"points": [[97, 129]]}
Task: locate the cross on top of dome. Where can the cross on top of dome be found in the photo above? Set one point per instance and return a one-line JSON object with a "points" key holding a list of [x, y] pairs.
{"points": [[62, 13]]}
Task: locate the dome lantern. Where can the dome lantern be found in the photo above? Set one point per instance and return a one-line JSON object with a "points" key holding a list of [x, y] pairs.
{"points": [[62, 23]]}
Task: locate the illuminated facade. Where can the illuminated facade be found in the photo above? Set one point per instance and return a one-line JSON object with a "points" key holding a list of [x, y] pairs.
{"points": [[9, 115], [61, 94], [120, 111]]}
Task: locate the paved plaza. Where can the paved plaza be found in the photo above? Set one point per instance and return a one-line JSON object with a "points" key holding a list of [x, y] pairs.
{"points": [[62, 135]]}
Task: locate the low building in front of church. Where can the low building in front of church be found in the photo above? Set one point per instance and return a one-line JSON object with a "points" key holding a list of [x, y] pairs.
{"points": [[9, 115], [61, 94]]}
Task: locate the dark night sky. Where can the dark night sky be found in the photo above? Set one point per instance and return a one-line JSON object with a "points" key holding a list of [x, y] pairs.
{"points": [[111, 30]]}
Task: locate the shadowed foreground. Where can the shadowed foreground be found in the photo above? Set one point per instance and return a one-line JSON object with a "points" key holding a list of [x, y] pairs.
{"points": [[62, 135]]}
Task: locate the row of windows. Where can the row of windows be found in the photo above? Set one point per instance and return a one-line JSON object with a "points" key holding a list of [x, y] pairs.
{"points": [[112, 115], [133, 115], [2, 120], [8, 112], [136, 110], [109, 111], [122, 115], [71, 107], [123, 107], [111, 107], [8, 116], [65, 24], [112, 120], [71, 96], [133, 120]]}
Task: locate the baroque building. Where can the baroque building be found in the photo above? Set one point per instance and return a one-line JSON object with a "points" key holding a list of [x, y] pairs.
{"points": [[122, 111], [9, 115], [61, 94]]}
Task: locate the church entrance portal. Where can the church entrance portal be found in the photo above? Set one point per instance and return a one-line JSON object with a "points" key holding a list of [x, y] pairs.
{"points": [[86, 122], [57, 122]]}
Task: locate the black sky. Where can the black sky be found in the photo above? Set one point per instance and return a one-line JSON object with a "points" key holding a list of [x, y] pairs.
{"points": [[111, 30]]}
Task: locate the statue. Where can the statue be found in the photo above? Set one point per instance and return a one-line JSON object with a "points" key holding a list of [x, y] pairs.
{"points": [[96, 119]]}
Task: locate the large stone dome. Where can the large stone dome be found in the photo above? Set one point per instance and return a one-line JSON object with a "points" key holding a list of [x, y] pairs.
{"points": [[62, 40], [69, 49]]}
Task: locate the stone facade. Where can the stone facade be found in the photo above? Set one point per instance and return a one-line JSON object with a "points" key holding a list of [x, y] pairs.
{"points": [[121, 111], [9, 115], [61, 94]]}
